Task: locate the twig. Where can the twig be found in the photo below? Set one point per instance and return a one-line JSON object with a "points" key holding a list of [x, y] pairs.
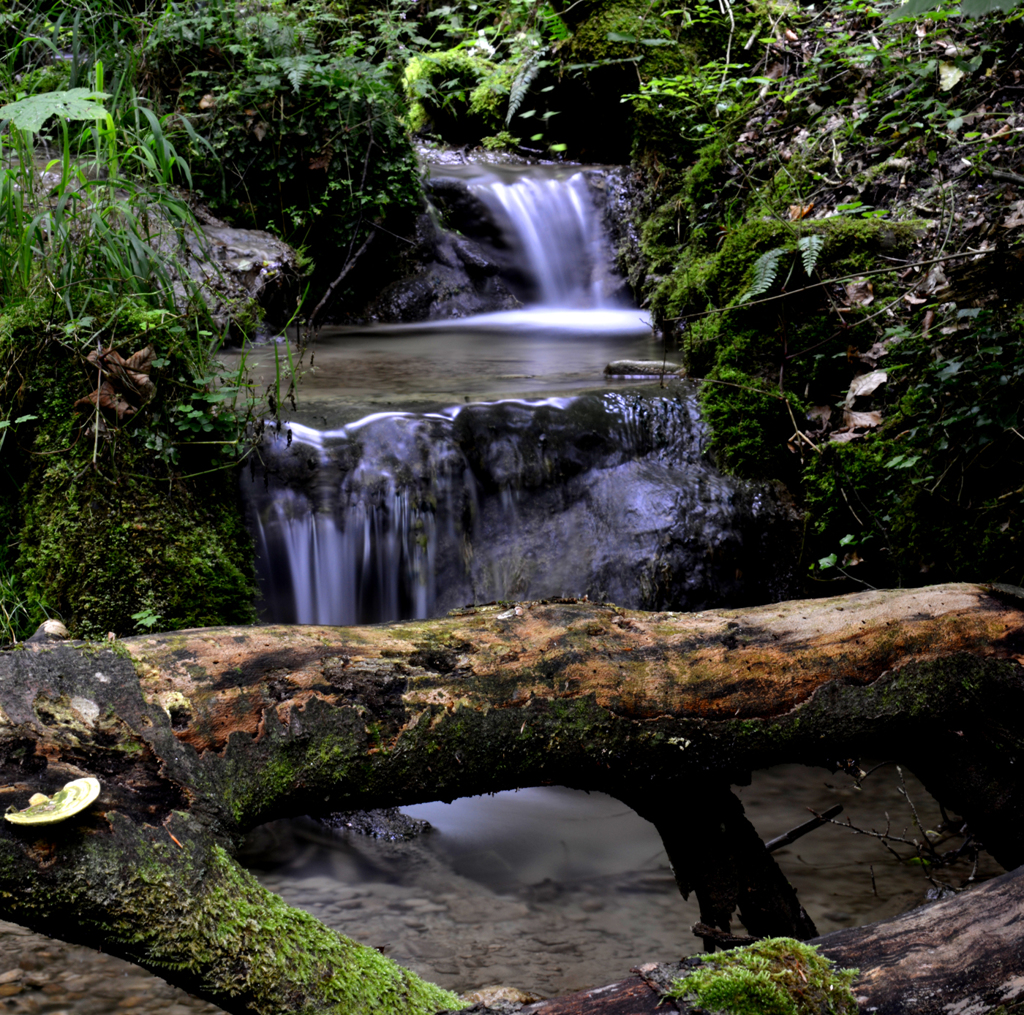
{"points": [[1000, 174], [344, 271], [808, 826], [721, 937], [798, 432]]}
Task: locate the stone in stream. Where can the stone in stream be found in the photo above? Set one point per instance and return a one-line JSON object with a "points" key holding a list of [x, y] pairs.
{"points": [[643, 368]]}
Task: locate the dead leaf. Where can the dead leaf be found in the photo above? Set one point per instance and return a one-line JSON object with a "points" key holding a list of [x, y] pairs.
{"points": [[320, 161], [124, 384], [864, 385], [949, 75], [861, 420], [792, 36], [852, 559], [799, 211], [260, 130], [913, 300], [860, 293], [841, 436], [820, 414], [207, 102], [873, 355], [1016, 217]]}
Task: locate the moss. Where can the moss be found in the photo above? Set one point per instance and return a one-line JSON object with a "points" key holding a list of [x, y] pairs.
{"points": [[186, 910], [458, 92], [500, 141], [776, 976], [750, 353], [107, 524]]}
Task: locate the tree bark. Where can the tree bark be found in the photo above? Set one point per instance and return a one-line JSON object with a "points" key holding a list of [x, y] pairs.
{"points": [[197, 736], [963, 954]]}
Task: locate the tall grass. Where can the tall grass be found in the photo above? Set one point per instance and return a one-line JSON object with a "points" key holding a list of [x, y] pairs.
{"points": [[93, 230]]}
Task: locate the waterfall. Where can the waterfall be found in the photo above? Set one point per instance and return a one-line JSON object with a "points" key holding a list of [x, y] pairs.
{"points": [[609, 495], [553, 226], [408, 515]]}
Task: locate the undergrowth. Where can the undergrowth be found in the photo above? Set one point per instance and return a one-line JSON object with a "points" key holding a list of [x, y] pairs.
{"points": [[811, 225], [110, 396]]}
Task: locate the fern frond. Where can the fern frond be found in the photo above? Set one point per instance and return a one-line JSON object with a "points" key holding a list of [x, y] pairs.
{"points": [[766, 268], [296, 70], [521, 83], [810, 248]]}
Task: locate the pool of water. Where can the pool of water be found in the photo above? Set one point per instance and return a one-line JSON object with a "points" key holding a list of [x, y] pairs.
{"points": [[350, 372], [553, 890]]}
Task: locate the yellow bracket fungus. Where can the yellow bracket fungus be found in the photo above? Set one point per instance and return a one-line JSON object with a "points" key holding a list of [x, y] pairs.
{"points": [[44, 810]]}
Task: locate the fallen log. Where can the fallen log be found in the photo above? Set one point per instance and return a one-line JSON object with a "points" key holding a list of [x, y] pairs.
{"points": [[197, 736]]}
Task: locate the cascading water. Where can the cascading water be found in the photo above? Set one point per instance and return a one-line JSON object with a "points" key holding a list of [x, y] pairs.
{"points": [[553, 226], [607, 495], [405, 515]]}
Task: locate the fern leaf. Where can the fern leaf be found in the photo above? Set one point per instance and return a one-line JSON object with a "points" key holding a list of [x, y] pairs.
{"points": [[521, 83], [810, 247], [766, 267]]}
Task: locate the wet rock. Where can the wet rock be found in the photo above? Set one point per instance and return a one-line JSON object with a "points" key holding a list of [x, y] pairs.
{"points": [[606, 495], [450, 276], [242, 273], [643, 368], [387, 823]]}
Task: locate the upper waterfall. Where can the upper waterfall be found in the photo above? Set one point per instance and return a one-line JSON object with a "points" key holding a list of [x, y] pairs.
{"points": [[554, 228], [540, 227]]}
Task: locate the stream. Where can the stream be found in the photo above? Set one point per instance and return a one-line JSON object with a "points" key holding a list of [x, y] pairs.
{"points": [[434, 464]]}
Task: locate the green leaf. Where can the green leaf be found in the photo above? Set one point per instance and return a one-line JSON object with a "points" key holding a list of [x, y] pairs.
{"points": [[912, 8], [620, 37], [32, 112], [826, 562], [810, 247], [982, 8]]}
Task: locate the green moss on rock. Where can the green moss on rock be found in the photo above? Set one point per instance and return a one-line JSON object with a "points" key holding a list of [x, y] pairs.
{"points": [[459, 92]]}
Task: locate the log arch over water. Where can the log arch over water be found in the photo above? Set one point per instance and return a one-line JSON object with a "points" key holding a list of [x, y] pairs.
{"points": [[197, 736]]}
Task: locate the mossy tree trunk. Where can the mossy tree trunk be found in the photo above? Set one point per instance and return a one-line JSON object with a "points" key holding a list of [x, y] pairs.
{"points": [[199, 735]]}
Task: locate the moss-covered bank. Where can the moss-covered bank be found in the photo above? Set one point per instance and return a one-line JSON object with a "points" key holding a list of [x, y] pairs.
{"points": [[803, 230], [119, 522]]}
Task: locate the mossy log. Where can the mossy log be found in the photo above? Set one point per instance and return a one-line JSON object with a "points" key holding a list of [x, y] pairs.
{"points": [[197, 736]]}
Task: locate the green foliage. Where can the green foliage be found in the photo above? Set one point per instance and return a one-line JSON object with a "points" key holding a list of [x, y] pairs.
{"points": [[31, 112], [102, 517], [458, 91], [932, 496], [302, 134], [776, 976], [766, 268]]}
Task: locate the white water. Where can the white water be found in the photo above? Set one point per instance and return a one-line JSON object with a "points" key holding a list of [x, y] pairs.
{"points": [[553, 224], [363, 529]]}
